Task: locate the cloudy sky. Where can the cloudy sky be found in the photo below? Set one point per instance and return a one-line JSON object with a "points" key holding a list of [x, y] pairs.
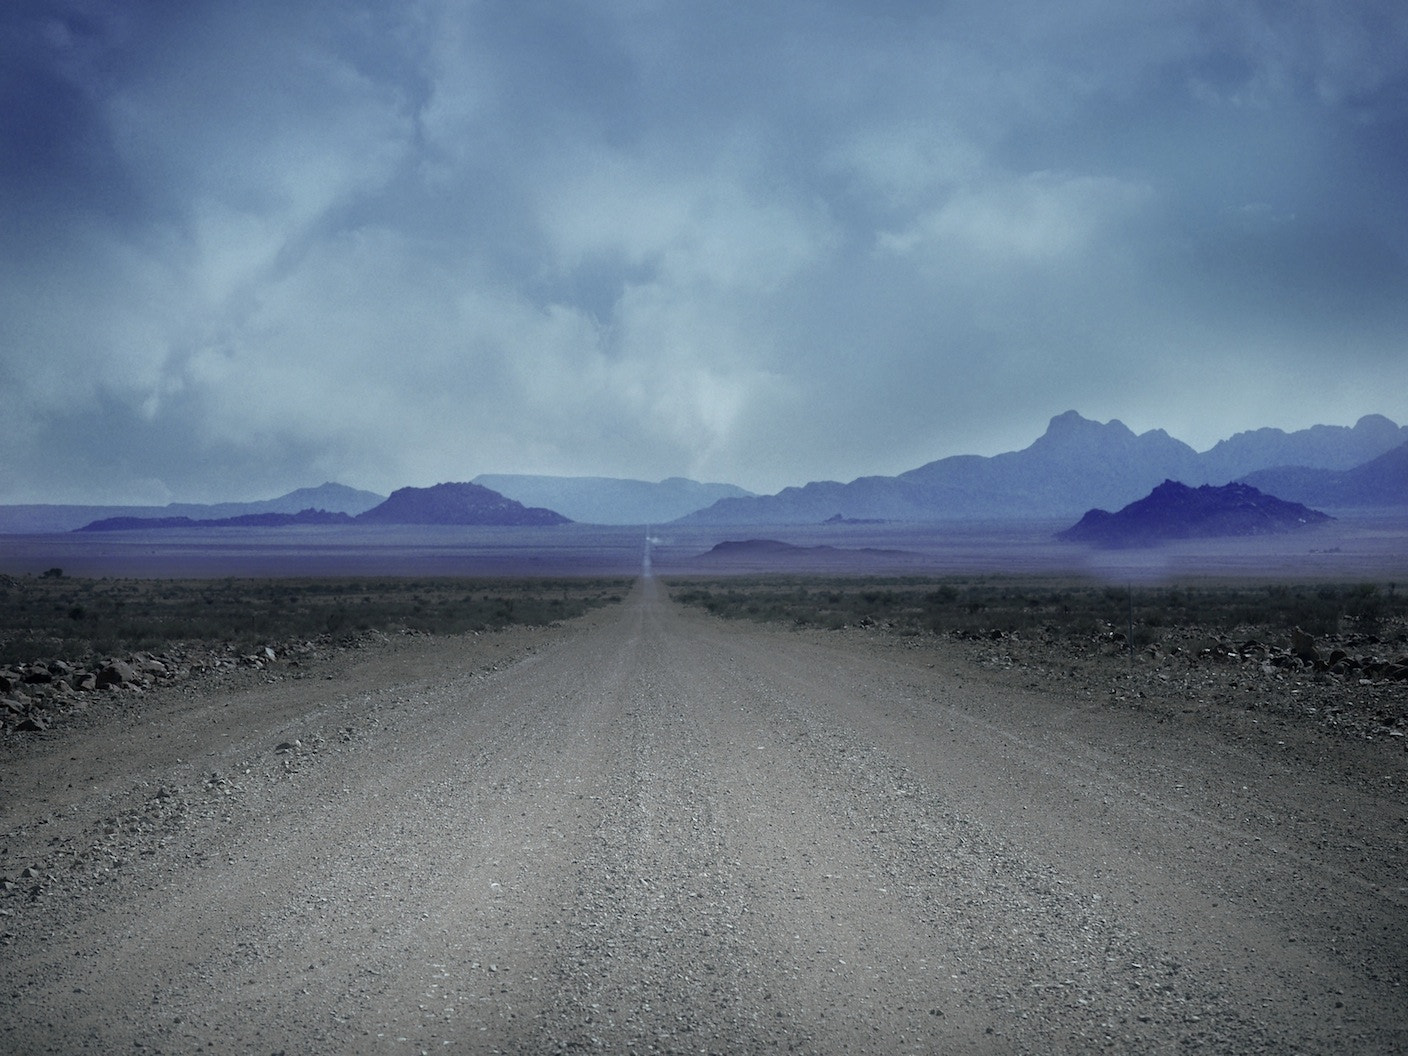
{"points": [[247, 247]]}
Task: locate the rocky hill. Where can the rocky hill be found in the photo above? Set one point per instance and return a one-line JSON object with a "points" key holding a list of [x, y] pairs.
{"points": [[457, 503], [1176, 511], [611, 500]]}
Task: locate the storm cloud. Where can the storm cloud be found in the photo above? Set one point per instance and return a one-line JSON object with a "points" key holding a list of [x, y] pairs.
{"points": [[251, 247]]}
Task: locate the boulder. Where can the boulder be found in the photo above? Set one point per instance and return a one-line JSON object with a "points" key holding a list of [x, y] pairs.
{"points": [[117, 673], [1303, 646]]}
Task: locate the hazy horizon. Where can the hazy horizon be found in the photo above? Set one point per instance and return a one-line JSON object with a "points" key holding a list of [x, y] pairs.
{"points": [[237, 499]]}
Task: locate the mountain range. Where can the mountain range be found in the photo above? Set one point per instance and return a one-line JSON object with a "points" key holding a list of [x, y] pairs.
{"points": [[1380, 481], [591, 500], [1079, 464], [1075, 465]]}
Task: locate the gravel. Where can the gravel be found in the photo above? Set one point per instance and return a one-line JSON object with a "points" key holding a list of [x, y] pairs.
{"points": [[654, 831]]}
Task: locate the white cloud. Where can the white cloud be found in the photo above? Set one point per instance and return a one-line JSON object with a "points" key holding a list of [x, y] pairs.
{"points": [[400, 243], [1043, 218], [694, 227], [908, 165]]}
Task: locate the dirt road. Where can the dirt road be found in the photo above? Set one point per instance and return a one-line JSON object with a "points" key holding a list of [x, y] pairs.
{"points": [[652, 831]]}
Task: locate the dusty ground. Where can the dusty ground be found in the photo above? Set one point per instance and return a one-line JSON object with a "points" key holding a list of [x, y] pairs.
{"points": [[654, 831]]}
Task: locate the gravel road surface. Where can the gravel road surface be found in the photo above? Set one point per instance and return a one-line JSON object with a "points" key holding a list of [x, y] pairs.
{"points": [[654, 831]]}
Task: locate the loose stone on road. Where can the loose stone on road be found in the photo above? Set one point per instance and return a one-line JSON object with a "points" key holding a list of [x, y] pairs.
{"points": [[654, 831]]}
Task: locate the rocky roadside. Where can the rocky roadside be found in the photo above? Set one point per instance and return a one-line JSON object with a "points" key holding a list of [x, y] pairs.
{"points": [[57, 698], [133, 795], [54, 693], [1355, 685], [1352, 686]]}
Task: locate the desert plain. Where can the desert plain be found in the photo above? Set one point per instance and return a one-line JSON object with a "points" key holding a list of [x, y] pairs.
{"points": [[997, 794]]}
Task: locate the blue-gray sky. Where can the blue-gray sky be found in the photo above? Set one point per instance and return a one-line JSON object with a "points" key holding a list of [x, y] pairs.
{"points": [[246, 247]]}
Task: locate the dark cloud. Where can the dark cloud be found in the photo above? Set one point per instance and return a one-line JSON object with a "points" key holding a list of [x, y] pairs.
{"points": [[254, 246]]}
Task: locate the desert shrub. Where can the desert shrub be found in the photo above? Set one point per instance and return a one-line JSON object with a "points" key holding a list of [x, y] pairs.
{"points": [[39, 617], [1365, 606], [1026, 605]]}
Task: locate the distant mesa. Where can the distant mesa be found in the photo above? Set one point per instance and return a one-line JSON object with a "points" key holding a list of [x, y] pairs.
{"points": [[1176, 511], [247, 520], [760, 547], [775, 551], [462, 503]]}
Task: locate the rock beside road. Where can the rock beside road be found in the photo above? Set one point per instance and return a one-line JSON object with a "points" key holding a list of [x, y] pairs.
{"points": [[45, 695], [1346, 684]]}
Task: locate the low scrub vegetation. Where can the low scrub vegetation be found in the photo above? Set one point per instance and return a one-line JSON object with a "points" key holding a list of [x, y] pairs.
{"points": [[59, 616], [983, 605]]}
